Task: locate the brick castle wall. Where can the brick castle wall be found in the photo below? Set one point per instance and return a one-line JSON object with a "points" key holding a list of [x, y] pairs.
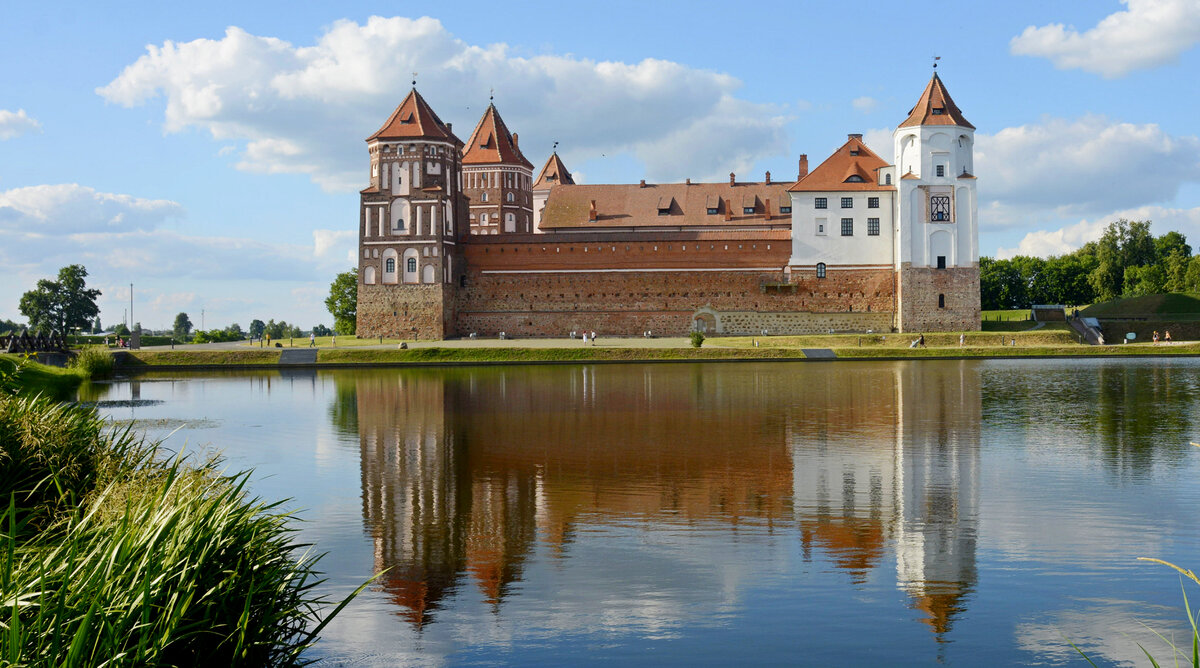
{"points": [[406, 311], [919, 291]]}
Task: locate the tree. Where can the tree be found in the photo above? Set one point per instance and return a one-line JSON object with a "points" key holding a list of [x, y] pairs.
{"points": [[1124, 244], [321, 330], [121, 330], [1147, 280], [96, 327], [1170, 242], [9, 327], [343, 302], [256, 328], [63, 304], [183, 327], [235, 332]]}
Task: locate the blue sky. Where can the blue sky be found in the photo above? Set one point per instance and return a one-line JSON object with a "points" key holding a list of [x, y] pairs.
{"points": [[211, 153]]}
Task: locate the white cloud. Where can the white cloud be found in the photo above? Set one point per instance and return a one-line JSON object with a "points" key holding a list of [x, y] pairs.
{"points": [[71, 208], [1148, 34], [865, 104], [1068, 168], [879, 140], [14, 124], [334, 244], [307, 109], [1044, 243]]}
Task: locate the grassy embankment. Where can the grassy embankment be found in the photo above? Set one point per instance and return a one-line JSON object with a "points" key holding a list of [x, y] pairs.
{"points": [[183, 356], [35, 378], [110, 555]]}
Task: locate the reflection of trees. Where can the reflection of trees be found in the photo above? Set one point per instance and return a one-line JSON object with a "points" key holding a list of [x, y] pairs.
{"points": [[1142, 415], [343, 410]]}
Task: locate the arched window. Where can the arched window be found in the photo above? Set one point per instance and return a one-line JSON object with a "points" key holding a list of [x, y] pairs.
{"points": [[887, 179], [483, 218], [390, 275], [390, 265], [369, 276], [412, 264], [509, 197], [820, 270], [483, 197]]}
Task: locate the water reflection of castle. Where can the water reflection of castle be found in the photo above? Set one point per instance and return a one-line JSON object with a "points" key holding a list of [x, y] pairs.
{"points": [[465, 470]]}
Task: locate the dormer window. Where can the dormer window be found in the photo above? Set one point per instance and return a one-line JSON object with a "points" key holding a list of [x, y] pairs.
{"points": [[939, 111], [664, 206], [748, 210], [785, 209], [407, 119], [712, 210], [855, 178], [853, 151], [664, 212], [887, 179]]}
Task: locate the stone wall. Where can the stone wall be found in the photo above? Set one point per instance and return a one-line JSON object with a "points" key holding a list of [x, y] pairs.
{"points": [[751, 322], [407, 311], [918, 298]]}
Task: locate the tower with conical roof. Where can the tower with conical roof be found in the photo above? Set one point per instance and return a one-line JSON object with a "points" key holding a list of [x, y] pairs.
{"points": [[497, 179], [937, 244], [412, 217], [554, 173]]}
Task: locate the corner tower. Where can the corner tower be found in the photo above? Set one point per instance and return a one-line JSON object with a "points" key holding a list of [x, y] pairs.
{"points": [[937, 247], [554, 173], [410, 222], [497, 179]]}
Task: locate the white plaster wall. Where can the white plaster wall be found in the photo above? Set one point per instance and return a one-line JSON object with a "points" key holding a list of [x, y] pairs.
{"points": [[809, 248], [920, 150]]}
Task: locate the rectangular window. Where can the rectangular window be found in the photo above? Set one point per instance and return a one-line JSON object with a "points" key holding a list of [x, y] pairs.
{"points": [[942, 301], [872, 202], [821, 203], [847, 227], [847, 202], [939, 208], [941, 262], [941, 170], [747, 210], [821, 226], [712, 211], [785, 209], [872, 227]]}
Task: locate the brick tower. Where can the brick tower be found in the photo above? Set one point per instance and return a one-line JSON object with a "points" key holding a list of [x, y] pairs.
{"points": [[411, 219], [497, 179], [937, 259]]}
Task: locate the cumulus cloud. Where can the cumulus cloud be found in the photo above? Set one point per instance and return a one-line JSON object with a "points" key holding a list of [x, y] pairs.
{"points": [[865, 104], [16, 123], [307, 109], [1044, 243], [1147, 34], [1068, 168], [71, 208]]}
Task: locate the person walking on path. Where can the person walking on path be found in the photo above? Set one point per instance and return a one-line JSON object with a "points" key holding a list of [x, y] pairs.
{"points": [[1154, 338], [1167, 336], [312, 339], [962, 339], [921, 341]]}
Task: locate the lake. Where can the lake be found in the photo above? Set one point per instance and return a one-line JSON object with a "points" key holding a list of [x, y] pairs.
{"points": [[850, 513]]}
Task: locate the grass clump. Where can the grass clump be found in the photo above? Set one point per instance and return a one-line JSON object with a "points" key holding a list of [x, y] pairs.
{"points": [[93, 362], [20, 374], [111, 556]]}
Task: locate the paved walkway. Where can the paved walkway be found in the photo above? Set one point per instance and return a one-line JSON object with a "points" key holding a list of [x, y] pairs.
{"points": [[298, 356], [301, 344]]}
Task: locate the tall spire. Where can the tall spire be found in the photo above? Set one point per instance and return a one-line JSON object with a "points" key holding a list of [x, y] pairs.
{"points": [[414, 119], [492, 143], [936, 107]]}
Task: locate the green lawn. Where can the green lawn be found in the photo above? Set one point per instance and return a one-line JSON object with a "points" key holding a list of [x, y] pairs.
{"points": [[1165, 307], [183, 356]]}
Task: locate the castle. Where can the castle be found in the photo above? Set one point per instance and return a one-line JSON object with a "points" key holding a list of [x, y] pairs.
{"points": [[461, 238]]}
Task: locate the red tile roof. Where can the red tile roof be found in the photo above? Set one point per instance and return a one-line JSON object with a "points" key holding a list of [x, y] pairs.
{"points": [[492, 144], [936, 108], [554, 173], [414, 119], [839, 170], [634, 205]]}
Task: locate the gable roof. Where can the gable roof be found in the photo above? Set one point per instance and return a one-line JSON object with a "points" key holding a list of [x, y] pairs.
{"points": [[636, 206], [851, 167], [554, 173], [936, 108], [492, 144], [414, 119]]}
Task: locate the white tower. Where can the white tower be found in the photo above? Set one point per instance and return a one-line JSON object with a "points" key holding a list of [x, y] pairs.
{"points": [[937, 248]]}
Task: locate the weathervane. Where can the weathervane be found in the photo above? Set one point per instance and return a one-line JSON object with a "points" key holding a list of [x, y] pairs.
{"points": [[414, 79], [491, 94], [935, 59], [556, 147]]}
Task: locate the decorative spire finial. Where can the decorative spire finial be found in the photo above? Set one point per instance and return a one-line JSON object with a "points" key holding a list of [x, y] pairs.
{"points": [[414, 79], [491, 94], [556, 147], [935, 59]]}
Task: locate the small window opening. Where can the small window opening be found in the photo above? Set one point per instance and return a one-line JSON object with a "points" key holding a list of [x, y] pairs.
{"points": [[820, 270], [941, 301], [941, 262]]}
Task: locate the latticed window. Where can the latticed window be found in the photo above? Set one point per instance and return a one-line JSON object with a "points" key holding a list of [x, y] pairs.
{"points": [[390, 265], [872, 227], [412, 265], [939, 208], [821, 203], [847, 227], [847, 202], [820, 270], [872, 202]]}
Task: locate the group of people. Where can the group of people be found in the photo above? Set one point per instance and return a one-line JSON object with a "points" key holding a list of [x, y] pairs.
{"points": [[1166, 336], [585, 337]]}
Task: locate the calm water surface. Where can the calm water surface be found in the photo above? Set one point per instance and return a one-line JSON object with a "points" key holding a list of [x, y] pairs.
{"points": [[964, 513]]}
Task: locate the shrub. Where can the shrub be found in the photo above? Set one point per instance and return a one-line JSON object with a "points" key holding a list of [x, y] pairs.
{"points": [[697, 339], [93, 362]]}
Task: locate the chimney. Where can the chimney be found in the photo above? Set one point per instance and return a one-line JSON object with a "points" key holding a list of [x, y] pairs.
{"points": [[592, 215], [767, 208], [728, 208], [516, 144], [768, 178], [732, 179], [854, 136], [803, 166], [642, 183], [688, 182]]}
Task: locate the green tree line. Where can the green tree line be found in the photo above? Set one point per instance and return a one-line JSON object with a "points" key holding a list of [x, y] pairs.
{"points": [[1127, 261]]}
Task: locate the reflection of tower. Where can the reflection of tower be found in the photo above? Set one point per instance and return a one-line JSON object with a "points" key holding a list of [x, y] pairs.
{"points": [[411, 494], [890, 453], [938, 484]]}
